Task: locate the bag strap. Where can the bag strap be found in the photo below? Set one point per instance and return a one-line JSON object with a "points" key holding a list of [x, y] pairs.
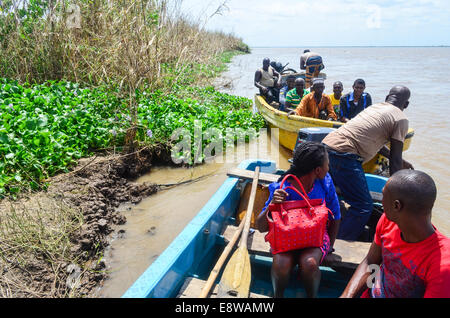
{"points": [[296, 179], [304, 196], [311, 208]]}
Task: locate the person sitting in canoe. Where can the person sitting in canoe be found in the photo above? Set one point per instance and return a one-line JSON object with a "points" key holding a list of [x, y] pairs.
{"points": [[310, 166], [355, 102], [295, 96], [317, 104], [409, 256], [338, 88], [312, 63], [265, 81], [357, 142], [290, 84]]}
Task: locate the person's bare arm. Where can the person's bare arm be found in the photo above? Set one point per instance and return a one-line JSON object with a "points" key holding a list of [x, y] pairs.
{"points": [[261, 223], [396, 162], [333, 230], [395, 156], [258, 77], [278, 75], [359, 279], [302, 62]]}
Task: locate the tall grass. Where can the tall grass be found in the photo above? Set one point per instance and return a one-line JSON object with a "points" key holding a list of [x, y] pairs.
{"points": [[123, 45], [128, 44]]}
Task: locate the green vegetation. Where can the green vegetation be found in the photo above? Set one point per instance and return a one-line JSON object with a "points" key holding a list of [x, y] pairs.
{"points": [[45, 128], [86, 81], [83, 76]]}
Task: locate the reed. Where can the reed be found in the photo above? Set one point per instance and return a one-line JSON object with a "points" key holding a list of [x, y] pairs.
{"points": [[123, 45]]}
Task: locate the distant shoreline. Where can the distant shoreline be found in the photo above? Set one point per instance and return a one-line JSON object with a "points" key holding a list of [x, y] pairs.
{"points": [[351, 46]]}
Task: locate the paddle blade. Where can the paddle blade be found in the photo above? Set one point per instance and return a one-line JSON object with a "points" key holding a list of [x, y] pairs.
{"points": [[236, 278]]}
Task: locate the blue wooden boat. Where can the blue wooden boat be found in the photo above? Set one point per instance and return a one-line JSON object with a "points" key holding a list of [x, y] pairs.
{"points": [[182, 268]]}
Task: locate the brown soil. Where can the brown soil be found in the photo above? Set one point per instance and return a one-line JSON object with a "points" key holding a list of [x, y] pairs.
{"points": [[93, 191]]}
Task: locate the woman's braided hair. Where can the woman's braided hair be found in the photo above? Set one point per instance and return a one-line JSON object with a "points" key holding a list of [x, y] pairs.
{"points": [[307, 156]]}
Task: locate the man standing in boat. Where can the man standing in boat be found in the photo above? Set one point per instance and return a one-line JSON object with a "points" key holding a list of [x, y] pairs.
{"points": [[355, 102], [312, 63], [357, 142], [265, 81]]}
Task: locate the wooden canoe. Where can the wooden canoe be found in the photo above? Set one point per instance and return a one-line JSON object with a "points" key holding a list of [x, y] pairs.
{"points": [[183, 268]]}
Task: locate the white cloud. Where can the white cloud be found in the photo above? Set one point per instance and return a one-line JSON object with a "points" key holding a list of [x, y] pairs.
{"points": [[331, 22]]}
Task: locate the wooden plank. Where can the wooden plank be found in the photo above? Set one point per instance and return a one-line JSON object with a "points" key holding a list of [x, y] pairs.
{"points": [[255, 242], [247, 174], [192, 288], [349, 254]]}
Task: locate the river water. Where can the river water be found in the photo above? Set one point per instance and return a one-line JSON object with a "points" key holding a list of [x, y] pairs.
{"points": [[157, 220]]}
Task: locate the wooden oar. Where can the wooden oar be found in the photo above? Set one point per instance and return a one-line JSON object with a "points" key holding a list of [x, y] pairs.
{"points": [[215, 272], [236, 277]]}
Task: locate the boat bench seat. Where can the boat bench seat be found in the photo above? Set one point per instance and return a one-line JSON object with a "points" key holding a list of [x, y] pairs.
{"points": [[192, 288], [348, 254]]}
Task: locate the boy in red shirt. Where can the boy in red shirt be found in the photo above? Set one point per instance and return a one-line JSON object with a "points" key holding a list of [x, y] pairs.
{"points": [[413, 256]]}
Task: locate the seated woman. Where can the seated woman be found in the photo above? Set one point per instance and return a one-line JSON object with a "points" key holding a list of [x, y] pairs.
{"points": [[310, 166]]}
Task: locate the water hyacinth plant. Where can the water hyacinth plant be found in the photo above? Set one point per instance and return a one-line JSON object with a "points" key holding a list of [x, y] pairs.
{"points": [[45, 128]]}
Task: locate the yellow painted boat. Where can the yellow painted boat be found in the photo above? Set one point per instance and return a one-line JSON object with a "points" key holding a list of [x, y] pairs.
{"points": [[290, 125]]}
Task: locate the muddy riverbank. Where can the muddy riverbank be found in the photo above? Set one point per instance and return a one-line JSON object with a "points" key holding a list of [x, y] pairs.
{"points": [[59, 251]]}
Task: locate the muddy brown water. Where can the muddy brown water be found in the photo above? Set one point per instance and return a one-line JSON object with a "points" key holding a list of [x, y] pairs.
{"points": [[156, 221]]}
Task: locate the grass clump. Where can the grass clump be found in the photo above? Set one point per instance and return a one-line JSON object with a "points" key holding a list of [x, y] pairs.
{"points": [[36, 248]]}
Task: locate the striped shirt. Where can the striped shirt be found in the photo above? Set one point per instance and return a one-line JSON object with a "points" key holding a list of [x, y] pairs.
{"points": [[293, 98]]}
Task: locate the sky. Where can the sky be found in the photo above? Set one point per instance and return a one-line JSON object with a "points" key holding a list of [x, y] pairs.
{"points": [[299, 23]]}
